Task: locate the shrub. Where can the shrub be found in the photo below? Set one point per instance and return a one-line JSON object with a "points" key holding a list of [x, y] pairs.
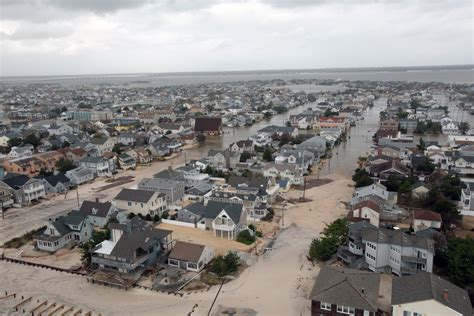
{"points": [[148, 217], [156, 218], [165, 215], [258, 233], [245, 237], [225, 265]]}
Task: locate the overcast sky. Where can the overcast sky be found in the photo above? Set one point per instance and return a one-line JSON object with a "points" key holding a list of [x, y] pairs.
{"points": [[44, 37]]}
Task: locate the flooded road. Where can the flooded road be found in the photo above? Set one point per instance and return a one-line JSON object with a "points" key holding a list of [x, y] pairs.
{"points": [[345, 156]]}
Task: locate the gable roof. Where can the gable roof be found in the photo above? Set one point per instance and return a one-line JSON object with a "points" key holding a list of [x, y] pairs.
{"points": [[425, 286], [101, 208], [186, 251], [136, 195], [427, 216], [349, 287], [16, 181], [213, 208], [396, 237]]}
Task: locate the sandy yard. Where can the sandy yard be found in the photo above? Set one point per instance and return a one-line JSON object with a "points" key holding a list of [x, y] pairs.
{"points": [[63, 258], [277, 284], [204, 237]]}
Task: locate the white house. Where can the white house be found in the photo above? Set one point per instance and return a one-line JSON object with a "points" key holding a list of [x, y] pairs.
{"points": [[425, 219]]}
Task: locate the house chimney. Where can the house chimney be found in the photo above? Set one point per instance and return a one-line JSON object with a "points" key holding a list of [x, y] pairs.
{"points": [[97, 199], [445, 295]]}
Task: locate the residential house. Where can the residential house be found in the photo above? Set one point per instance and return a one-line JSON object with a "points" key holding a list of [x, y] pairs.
{"points": [[174, 190], [56, 183], [133, 245], [242, 146], [72, 228], [141, 201], [126, 162], [367, 210], [80, 175], [104, 144], [339, 291], [423, 219], [128, 139], [99, 213], [189, 256], [397, 252], [102, 167], [284, 170], [226, 220], [6, 198], [274, 130], [29, 166], [24, 189], [141, 155], [208, 125], [389, 125], [50, 159], [375, 189], [21, 151], [323, 122], [223, 159], [316, 144], [73, 154], [408, 124], [428, 294], [420, 190], [466, 204]]}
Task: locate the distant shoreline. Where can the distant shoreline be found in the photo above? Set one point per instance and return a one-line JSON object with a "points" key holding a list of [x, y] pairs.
{"points": [[468, 67]]}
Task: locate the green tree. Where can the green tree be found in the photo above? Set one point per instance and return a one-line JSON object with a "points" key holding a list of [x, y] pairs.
{"points": [[14, 142], [66, 144], [244, 156], [65, 165], [451, 186], [225, 265], [448, 211], [362, 178], [334, 235], [421, 144], [45, 173], [464, 127], [458, 261], [117, 148], [267, 154], [32, 139]]}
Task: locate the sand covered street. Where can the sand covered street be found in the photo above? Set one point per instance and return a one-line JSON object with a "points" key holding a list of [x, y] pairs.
{"points": [[277, 284]]}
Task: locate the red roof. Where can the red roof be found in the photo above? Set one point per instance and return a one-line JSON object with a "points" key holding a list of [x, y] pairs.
{"points": [[428, 216], [369, 204]]}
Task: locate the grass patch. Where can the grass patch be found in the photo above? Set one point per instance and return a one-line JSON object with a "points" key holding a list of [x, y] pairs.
{"points": [[209, 278], [23, 240]]}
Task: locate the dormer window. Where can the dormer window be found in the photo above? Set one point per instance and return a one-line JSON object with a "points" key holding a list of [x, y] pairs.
{"points": [[94, 211]]}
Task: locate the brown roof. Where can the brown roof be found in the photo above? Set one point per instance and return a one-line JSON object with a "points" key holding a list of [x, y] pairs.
{"points": [[206, 124], [368, 203], [428, 216], [186, 251]]}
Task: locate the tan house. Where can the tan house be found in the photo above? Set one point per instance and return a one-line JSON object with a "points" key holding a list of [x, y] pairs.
{"points": [[50, 159], [332, 121], [141, 201], [389, 125], [29, 166], [366, 210]]}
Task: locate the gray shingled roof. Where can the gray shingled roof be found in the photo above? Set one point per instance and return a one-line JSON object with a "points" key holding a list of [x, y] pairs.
{"points": [[213, 208], [102, 208], [140, 196], [425, 286], [396, 237], [136, 235], [349, 287]]}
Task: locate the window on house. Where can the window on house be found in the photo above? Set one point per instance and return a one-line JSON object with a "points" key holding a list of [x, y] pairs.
{"points": [[129, 203], [325, 306], [345, 309]]}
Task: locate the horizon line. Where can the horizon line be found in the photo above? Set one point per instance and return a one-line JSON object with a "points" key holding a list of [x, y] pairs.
{"points": [[329, 69]]}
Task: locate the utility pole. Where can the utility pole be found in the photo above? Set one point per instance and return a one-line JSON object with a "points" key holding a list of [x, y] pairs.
{"points": [[77, 197]]}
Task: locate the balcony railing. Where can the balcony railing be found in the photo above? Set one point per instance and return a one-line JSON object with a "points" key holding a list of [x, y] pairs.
{"points": [[414, 259]]}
